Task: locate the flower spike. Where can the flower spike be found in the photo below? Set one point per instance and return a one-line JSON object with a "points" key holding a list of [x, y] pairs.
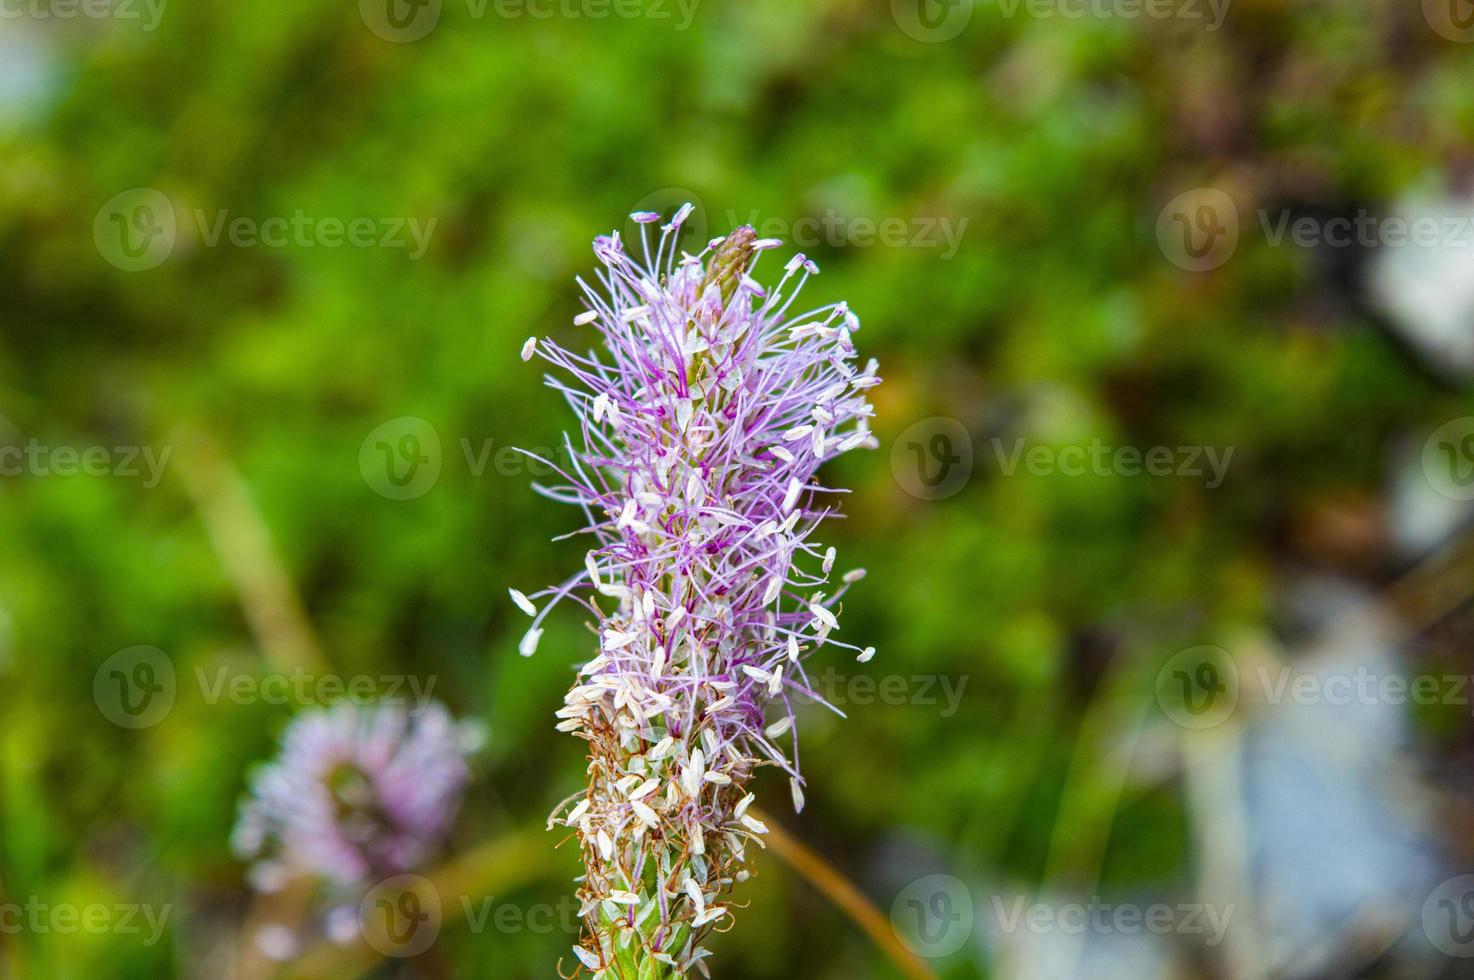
{"points": [[701, 429]]}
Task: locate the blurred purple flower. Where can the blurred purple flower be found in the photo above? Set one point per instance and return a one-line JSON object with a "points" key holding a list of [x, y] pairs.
{"points": [[701, 435], [359, 792]]}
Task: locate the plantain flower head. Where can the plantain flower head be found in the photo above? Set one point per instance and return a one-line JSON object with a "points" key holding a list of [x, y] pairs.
{"points": [[701, 425], [357, 794]]}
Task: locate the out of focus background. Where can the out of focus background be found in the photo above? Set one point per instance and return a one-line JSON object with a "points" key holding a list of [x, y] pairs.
{"points": [[1168, 538]]}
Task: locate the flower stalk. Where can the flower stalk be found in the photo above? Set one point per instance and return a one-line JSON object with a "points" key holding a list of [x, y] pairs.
{"points": [[702, 428]]}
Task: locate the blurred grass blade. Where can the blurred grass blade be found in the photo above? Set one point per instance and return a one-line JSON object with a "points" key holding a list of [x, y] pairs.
{"points": [[845, 895]]}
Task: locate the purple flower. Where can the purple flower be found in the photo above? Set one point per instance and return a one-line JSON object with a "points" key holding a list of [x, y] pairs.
{"points": [[701, 429], [358, 793]]}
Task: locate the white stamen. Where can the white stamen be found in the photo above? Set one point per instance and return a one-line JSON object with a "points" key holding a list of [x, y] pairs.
{"points": [[790, 499], [710, 915], [523, 603], [797, 433], [697, 899], [754, 824]]}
